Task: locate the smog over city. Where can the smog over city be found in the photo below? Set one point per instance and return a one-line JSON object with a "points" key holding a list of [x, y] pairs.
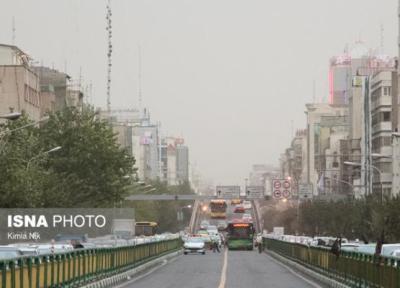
{"points": [[199, 143], [231, 77]]}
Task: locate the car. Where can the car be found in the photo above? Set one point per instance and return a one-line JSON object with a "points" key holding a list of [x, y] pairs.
{"points": [[395, 253], [212, 229], [236, 201], [239, 209], [350, 247], [205, 235], [247, 205], [204, 224], [194, 245], [9, 252], [221, 226], [247, 217]]}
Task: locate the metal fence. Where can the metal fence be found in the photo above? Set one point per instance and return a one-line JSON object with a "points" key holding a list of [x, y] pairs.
{"points": [[79, 267], [351, 268]]}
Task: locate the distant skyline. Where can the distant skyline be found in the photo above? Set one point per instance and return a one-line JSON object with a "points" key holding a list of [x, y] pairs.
{"points": [[229, 76]]}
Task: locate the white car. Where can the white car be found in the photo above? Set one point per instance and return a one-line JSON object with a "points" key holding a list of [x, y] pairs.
{"points": [[194, 245], [247, 205]]}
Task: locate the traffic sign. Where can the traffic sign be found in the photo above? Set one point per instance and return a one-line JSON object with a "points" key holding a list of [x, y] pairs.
{"points": [[305, 191], [255, 192], [282, 188], [277, 194], [228, 192]]}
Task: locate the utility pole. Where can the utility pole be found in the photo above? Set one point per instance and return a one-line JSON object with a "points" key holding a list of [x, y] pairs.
{"points": [[109, 54]]}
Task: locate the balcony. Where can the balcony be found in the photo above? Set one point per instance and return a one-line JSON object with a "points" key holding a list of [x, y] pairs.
{"points": [[381, 101], [382, 126]]}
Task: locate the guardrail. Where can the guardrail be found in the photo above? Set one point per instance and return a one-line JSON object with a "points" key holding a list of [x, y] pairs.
{"points": [[350, 268], [79, 267]]}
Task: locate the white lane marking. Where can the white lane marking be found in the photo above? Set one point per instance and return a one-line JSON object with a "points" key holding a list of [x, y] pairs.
{"points": [[295, 273], [222, 282], [131, 281]]}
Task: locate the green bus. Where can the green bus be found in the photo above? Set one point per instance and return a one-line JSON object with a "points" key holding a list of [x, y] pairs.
{"points": [[240, 235]]}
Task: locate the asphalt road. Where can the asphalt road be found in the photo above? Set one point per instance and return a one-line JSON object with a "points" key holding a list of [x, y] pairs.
{"points": [[243, 269], [228, 269]]}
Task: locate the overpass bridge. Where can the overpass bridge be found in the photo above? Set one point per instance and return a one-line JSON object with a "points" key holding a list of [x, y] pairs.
{"points": [[160, 263]]}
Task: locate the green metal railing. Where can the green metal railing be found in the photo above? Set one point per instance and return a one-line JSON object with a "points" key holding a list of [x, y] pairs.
{"points": [[350, 268], [73, 269]]}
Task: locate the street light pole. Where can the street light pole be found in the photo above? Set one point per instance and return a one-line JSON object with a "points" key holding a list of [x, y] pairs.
{"points": [[24, 126], [42, 154], [370, 166], [11, 116]]}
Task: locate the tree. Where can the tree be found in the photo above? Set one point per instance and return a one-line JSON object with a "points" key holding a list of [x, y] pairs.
{"points": [[90, 170], [21, 177]]}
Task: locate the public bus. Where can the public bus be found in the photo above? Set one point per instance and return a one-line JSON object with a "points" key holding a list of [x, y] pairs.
{"points": [[240, 234], [218, 209], [146, 228]]}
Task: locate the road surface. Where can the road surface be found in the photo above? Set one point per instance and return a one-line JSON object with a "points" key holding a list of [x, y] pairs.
{"points": [[242, 269]]}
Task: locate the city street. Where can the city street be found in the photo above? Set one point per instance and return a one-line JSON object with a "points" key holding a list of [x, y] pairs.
{"points": [[244, 269]]}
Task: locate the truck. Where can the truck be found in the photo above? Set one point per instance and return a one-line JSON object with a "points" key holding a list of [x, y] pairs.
{"points": [[124, 228]]}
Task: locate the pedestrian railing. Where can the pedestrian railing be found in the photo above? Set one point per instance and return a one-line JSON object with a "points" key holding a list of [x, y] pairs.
{"points": [[79, 267], [351, 268]]}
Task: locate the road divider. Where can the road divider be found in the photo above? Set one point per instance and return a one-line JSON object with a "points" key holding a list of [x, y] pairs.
{"points": [[222, 281]]}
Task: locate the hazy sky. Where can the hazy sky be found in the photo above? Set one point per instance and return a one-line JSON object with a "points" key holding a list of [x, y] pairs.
{"points": [[228, 75]]}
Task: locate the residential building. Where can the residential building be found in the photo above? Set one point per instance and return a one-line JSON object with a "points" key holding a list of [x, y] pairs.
{"points": [[382, 127], [318, 140], [55, 82], [19, 84]]}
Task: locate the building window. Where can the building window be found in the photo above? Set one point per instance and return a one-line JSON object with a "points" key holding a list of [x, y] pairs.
{"points": [[387, 91], [386, 116]]}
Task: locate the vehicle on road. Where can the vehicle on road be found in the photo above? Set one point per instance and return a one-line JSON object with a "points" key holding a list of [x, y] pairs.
{"points": [[194, 245], [9, 252], [206, 237], [247, 205], [395, 253], [240, 235], [236, 201], [239, 209], [146, 228], [221, 225], [218, 209], [204, 224]]}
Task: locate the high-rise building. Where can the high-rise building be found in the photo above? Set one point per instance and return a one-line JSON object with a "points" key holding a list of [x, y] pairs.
{"points": [[382, 126], [140, 137], [182, 163]]}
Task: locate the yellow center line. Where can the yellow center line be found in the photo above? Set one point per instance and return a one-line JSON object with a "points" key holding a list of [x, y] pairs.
{"points": [[222, 282]]}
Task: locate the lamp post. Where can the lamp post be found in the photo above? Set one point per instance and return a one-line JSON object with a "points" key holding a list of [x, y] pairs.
{"points": [[345, 182], [42, 154], [11, 116], [24, 126], [370, 166]]}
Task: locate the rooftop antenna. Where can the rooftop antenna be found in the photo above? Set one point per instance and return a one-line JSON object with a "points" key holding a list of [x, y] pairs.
{"points": [[140, 77], [292, 128], [109, 53], [13, 31], [382, 38], [313, 91]]}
